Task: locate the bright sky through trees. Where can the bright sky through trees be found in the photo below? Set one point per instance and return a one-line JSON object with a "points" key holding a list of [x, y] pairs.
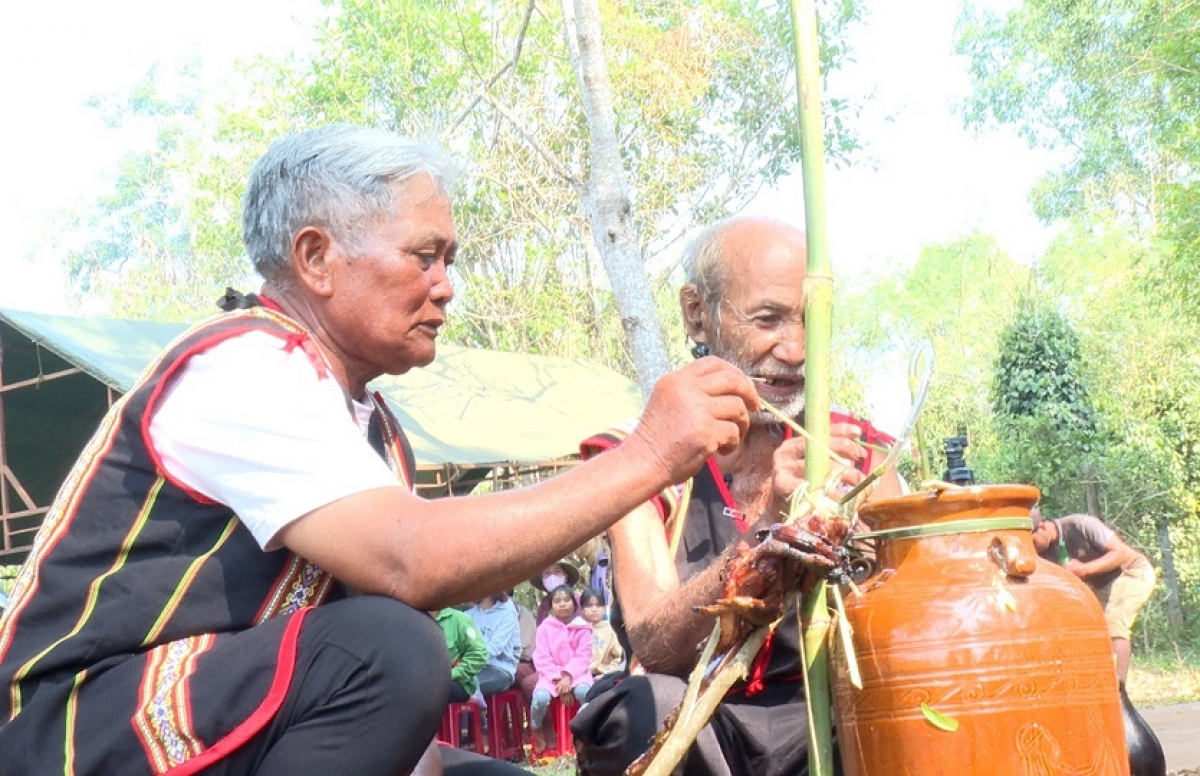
{"points": [[930, 181]]}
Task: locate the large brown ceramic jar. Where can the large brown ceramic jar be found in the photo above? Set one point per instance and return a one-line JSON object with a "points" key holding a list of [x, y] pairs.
{"points": [[964, 627]]}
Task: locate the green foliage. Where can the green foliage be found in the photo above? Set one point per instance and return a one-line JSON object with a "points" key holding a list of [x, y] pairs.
{"points": [[1139, 458], [1112, 84], [1082, 76], [1046, 429], [703, 104], [1076, 376], [958, 295], [165, 242], [1179, 268], [705, 108], [1139, 348], [1038, 373]]}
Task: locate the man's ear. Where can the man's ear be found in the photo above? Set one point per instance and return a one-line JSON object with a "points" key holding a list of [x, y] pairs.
{"points": [[695, 314], [311, 251]]}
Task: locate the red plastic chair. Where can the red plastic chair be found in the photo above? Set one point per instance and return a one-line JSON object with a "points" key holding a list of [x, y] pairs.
{"points": [[507, 715], [451, 731], [564, 710], [561, 711]]}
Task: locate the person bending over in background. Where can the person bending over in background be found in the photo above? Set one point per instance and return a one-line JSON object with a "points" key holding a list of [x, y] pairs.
{"points": [[1120, 576]]}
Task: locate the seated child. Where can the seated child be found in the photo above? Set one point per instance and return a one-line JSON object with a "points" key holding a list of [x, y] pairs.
{"points": [[607, 655], [561, 656]]}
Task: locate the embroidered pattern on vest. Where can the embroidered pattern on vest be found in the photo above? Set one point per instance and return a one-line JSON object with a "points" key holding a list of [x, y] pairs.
{"points": [[302, 584], [163, 718]]}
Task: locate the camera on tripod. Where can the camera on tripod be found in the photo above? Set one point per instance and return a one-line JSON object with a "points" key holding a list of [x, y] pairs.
{"points": [[957, 471]]}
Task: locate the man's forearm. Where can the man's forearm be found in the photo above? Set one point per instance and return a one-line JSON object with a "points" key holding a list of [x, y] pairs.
{"points": [[1113, 559], [665, 640], [431, 554]]}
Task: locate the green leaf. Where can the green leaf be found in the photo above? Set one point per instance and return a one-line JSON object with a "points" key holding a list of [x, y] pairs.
{"points": [[938, 719]]}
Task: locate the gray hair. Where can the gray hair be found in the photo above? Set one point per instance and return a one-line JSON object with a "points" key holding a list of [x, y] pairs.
{"points": [[704, 258], [702, 264], [337, 177]]}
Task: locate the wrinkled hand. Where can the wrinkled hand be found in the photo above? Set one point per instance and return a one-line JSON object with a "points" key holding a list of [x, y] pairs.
{"points": [[694, 412], [755, 580], [790, 468]]}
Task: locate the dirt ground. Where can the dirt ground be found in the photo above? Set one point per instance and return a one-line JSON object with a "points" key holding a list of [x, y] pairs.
{"points": [[1175, 727]]}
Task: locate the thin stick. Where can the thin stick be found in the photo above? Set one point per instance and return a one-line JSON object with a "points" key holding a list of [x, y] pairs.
{"points": [[701, 668], [812, 440], [867, 482], [914, 390], [808, 705], [775, 411], [680, 519], [684, 733], [847, 633]]}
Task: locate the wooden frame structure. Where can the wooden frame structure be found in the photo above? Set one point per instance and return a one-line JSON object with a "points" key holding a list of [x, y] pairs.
{"points": [[50, 407]]}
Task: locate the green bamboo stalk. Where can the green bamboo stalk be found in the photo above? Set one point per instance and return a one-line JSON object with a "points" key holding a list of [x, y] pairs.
{"points": [[920, 358], [818, 315]]}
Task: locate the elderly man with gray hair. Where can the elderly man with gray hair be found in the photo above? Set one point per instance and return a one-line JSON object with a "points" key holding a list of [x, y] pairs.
{"points": [[743, 302], [187, 605]]}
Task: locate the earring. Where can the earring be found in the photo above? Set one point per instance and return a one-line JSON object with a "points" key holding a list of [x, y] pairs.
{"points": [[700, 350]]}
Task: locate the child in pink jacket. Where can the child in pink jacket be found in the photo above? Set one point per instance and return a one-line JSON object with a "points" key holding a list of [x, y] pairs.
{"points": [[562, 654]]}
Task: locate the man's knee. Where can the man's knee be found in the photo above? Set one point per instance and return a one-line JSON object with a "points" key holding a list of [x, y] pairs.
{"points": [[616, 726], [401, 649]]}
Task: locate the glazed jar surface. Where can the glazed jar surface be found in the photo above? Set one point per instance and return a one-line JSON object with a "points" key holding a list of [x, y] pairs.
{"points": [[976, 656]]}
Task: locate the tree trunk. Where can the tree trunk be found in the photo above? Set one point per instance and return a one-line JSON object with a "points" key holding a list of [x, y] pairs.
{"points": [[1091, 490], [606, 200], [1170, 578]]}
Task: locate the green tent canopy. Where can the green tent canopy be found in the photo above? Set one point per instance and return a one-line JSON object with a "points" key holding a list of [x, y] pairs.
{"points": [[471, 416]]}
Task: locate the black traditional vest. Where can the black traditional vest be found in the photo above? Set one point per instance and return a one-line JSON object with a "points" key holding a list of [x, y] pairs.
{"points": [[132, 572]]}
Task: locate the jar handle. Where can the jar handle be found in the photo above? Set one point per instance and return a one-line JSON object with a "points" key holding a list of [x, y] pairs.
{"points": [[1008, 553]]}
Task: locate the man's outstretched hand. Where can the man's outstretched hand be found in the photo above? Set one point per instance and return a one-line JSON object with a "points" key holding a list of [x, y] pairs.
{"points": [[694, 412]]}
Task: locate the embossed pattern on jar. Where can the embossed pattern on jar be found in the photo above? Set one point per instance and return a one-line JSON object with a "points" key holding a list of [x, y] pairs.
{"points": [[964, 627]]}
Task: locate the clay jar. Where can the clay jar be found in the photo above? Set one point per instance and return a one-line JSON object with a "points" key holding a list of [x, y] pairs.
{"points": [[963, 626]]}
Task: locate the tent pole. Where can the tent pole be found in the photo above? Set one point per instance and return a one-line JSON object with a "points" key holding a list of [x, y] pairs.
{"points": [[3, 453]]}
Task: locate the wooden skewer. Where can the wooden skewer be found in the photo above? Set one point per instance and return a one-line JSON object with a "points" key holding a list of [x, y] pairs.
{"points": [[775, 411], [766, 405]]}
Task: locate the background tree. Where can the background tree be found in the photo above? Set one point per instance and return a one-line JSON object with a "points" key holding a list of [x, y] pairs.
{"points": [[1045, 422], [1139, 345], [1112, 84], [703, 113], [958, 295], [605, 196], [165, 242]]}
